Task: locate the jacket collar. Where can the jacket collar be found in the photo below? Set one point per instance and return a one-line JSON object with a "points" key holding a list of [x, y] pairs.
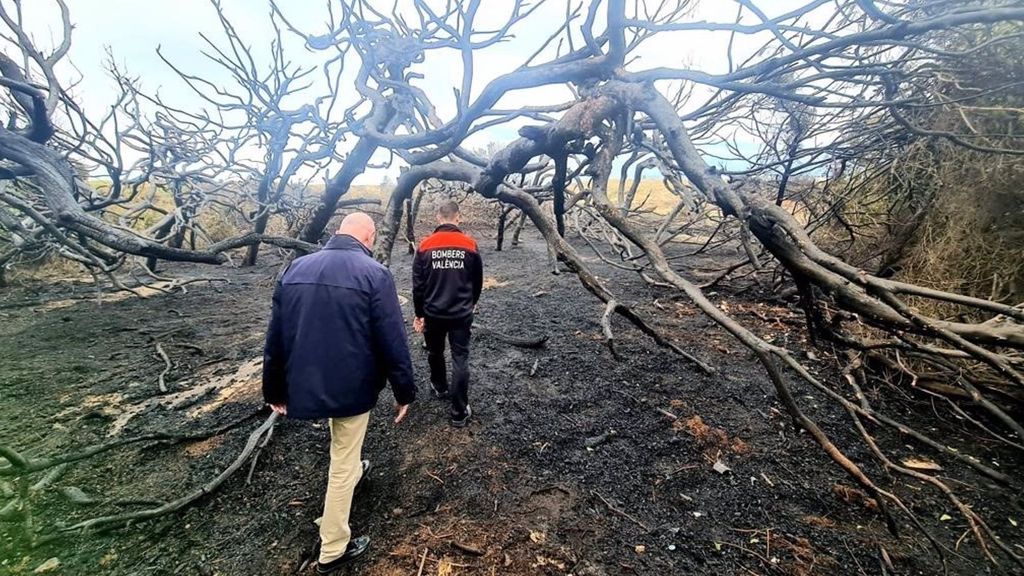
{"points": [[345, 242], [447, 228]]}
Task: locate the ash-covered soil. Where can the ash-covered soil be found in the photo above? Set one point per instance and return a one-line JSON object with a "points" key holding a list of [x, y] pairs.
{"points": [[589, 466]]}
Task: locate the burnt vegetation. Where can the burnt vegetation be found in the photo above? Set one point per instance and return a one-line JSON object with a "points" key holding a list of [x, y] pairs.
{"points": [[859, 173]]}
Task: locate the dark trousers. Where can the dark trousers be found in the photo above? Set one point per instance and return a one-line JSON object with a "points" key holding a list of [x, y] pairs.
{"points": [[457, 332]]}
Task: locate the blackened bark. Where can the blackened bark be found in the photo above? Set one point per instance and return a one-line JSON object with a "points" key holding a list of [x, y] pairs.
{"points": [[558, 185], [502, 218]]}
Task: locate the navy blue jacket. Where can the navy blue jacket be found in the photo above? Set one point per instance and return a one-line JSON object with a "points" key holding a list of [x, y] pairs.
{"points": [[336, 335]]}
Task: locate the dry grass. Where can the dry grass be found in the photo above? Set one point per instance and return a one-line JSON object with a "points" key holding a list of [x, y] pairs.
{"points": [[491, 282], [710, 439], [856, 496], [968, 237], [972, 243], [651, 194], [803, 560], [49, 269], [818, 521]]}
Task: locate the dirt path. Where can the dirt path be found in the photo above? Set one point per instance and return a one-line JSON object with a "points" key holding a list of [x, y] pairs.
{"points": [[589, 467]]}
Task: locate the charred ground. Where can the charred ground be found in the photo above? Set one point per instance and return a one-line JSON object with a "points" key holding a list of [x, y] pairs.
{"points": [[589, 466]]}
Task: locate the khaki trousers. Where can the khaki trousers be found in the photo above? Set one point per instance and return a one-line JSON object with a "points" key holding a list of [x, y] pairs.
{"points": [[347, 436]]}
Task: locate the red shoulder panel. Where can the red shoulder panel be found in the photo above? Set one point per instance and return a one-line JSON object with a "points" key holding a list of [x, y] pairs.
{"points": [[446, 239]]}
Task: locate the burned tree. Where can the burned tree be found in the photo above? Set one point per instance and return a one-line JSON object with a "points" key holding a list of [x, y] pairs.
{"points": [[52, 149], [844, 75], [264, 116]]}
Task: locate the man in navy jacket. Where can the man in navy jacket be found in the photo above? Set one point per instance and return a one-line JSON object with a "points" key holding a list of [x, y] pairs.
{"points": [[336, 336]]}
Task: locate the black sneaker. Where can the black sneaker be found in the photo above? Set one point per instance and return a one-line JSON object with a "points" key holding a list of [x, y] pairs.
{"points": [[461, 422], [365, 478], [439, 394], [356, 548]]}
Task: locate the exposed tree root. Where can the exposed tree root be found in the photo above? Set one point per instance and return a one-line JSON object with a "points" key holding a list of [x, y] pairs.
{"points": [[21, 465], [519, 342], [167, 368], [119, 520]]}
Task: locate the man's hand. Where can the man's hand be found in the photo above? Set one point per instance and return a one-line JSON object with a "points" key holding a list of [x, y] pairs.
{"points": [[418, 325], [281, 409], [401, 410]]}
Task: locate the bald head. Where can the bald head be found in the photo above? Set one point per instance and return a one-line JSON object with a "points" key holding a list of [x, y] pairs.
{"points": [[359, 226]]}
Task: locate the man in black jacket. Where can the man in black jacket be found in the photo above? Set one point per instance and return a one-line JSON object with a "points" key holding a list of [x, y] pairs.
{"points": [[336, 336], [446, 283]]}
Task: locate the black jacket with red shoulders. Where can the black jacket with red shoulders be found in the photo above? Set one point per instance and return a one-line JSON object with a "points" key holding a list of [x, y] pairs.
{"points": [[447, 275]]}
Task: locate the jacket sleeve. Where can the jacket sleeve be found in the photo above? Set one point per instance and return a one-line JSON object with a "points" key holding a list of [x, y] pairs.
{"points": [[275, 386], [420, 270], [478, 276], [389, 339]]}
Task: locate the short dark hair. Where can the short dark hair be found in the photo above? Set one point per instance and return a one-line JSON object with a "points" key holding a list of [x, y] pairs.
{"points": [[448, 209]]}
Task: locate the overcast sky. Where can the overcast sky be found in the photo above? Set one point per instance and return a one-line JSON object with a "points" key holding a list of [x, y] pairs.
{"points": [[132, 30]]}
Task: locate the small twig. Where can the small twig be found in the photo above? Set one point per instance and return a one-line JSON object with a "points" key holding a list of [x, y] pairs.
{"points": [[167, 333], [214, 361], [423, 562], [189, 346], [620, 512], [180, 283], [256, 455], [667, 414], [627, 395], [682, 468], [606, 327], [468, 549], [748, 551], [167, 368], [441, 536]]}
